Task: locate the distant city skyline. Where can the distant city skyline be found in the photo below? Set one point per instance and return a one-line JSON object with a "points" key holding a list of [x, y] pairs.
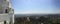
{"points": [[35, 6]]}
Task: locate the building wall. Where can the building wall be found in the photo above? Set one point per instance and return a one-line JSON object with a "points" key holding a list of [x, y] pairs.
{"points": [[5, 4], [1, 9]]}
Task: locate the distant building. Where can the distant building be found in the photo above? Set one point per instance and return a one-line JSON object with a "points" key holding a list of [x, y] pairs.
{"points": [[28, 19], [6, 12]]}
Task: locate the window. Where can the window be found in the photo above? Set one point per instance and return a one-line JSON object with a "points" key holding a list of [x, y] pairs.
{"points": [[4, 22], [6, 11]]}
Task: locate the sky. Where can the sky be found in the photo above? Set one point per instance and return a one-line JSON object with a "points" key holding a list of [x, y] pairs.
{"points": [[36, 6]]}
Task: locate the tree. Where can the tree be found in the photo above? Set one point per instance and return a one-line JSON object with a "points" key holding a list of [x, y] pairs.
{"points": [[42, 19]]}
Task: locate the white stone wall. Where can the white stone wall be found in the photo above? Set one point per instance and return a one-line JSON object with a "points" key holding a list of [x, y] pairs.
{"points": [[3, 16], [1, 9], [4, 5], [1, 22]]}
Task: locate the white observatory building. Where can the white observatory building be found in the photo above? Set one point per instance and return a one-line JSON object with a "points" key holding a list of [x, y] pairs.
{"points": [[6, 12]]}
